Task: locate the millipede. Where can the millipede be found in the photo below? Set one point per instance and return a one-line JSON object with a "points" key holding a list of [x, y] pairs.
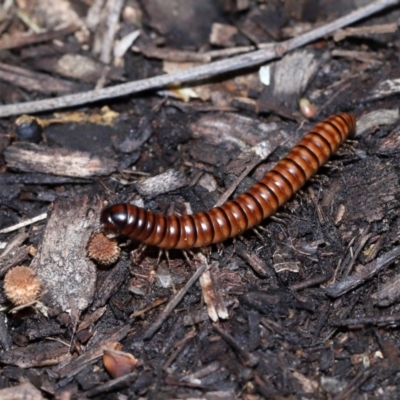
{"points": [[243, 212]]}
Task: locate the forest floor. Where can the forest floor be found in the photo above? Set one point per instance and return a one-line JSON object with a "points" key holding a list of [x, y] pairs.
{"points": [[178, 106]]}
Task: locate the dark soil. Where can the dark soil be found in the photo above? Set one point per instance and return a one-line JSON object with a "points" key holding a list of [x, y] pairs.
{"points": [[306, 307]]}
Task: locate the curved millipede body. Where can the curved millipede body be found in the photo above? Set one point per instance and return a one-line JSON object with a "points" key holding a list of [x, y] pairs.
{"points": [[243, 212]]}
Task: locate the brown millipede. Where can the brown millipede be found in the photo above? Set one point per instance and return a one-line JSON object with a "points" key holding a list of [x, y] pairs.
{"points": [[243, 212]]}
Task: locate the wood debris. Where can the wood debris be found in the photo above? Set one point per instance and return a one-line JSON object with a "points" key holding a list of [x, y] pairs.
{"points": [[64, 162], [68, 277], [21, 392], [181, 105]]}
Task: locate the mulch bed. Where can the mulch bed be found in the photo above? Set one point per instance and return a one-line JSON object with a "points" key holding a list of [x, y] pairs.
{"points": [[177, 106]]}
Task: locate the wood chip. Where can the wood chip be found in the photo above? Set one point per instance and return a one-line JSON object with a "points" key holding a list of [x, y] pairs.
{"points": [[91, 319], [73, 367], [365, 31], [307, 385], [223, 35], [359, 277], [377, 118], [388, 294], [123, 45], [35, 81], [386, 88], [79, 67], [36, 355], [61, 263], [212, 296], [18, 40], [363, 56], [26, 391], [65, 162], [14, 253], [232, 128], [301, 67], [381, 181], [259, 266], [167, 182]]}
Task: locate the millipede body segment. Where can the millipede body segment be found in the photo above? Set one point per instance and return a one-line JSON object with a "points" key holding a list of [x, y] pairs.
{"points": [[245, 211]]}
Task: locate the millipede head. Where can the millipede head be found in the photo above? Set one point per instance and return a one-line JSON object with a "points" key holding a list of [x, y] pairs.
{"points": [[113, 219]]}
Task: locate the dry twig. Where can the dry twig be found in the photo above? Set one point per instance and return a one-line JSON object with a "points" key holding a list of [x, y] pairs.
{"points": [[175, 301]]}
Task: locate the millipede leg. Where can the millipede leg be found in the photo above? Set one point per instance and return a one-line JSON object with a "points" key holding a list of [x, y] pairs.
{"points": [[137, 254], [350, 147], [154, 270], [334, 165], [185, 254], [258, 234], [346, 150], [282, 216], [261, 228], [279, 220], [351, 142], [300, 195], [166, 252], [142, 247], [320, 179], [190, 262], [160, 253], [242, 238], [220, 248]]}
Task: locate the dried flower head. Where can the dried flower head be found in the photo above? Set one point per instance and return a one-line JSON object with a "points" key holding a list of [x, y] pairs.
{"points": [[102, 249], [21, 285]]}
